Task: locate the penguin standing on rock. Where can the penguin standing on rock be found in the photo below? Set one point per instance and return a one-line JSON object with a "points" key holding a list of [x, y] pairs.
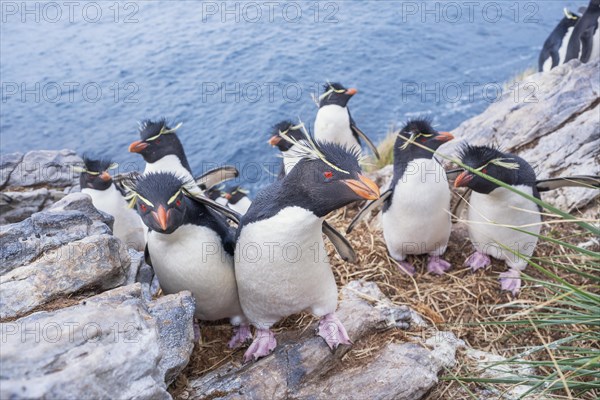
{"points": [[584, 42], [191, 247], [281, 262], [493, 210], [415, 215], [96, 181], [555, 47], [334, 122], [163, 152]]}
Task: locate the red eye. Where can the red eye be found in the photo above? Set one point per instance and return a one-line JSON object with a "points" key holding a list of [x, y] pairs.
{"points": [[423, 140], [328, 175], [484, 170], [143, 207], [178, 203], [157, 141]]}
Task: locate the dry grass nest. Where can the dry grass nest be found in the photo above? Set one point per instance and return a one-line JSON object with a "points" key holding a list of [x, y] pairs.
{"points": [[459, 301]]}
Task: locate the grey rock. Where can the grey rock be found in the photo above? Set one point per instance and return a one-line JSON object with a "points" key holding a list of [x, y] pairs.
{"points": [[45, 168], [8, 163], [16, 206], [557, 130], [71, 219], [305, 367], [95, 263], [173, 315], [109, 346]]}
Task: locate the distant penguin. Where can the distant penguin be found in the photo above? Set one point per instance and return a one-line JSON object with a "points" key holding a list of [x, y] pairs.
{"points": [[237, 199], [282, 267], [191, 247], [290, 156], [216, 194], [555, 47], [415, 214], [334, 122], [96, 181], [584, 43], [494, 209]]}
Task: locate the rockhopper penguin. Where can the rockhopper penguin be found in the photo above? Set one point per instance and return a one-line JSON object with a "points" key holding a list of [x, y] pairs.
{"points": [[288, 153], [334, 122], [415, 213], [282, 267], [191, 247], [555, 47], [493, 210], [96, 181]]}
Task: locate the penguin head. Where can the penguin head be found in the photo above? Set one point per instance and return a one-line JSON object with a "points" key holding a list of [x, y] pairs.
{"points": [[329, 177], [94, 173], [156, 141], [285, 128], [335, 93], [161, 200], [490, 161], [234, 194], [420, 131]]}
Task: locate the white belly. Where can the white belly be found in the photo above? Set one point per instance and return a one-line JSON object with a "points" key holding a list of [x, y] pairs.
{"points": [[192, 258], [282, 268], [596, 43], [562, 51], [503, 207], [128, 225], [332, 124], [418, 220]]}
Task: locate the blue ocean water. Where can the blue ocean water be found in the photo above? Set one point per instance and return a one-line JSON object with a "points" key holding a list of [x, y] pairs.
{"points": [[81, 75]]}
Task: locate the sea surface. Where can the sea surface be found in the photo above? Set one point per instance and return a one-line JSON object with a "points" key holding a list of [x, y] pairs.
{"points": [[81, 75]]}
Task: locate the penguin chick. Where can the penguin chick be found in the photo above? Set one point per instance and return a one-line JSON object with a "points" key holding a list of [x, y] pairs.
{"points": [[191, 248], [494, 211], [415, 215], [334, 122], [289, 155], [96, 181], [282, 267]]}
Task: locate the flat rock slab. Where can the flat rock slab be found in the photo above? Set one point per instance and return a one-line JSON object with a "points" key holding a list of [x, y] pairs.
{"points": [[305, 367], [114, 345]]}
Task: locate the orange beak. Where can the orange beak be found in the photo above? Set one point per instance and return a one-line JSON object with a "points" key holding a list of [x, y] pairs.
{"points": [[275, 139], [137, 147], [227, 196], [444, 136], [351, 91], [105, 176], [365, 188], [463, 179], [162, 217]]}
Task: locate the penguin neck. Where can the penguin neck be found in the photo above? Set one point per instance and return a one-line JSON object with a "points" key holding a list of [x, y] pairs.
{"points": [[404, 156]]}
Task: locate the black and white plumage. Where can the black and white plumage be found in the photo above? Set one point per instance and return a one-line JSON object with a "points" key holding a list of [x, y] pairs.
{"points": [[237, 199], [415, 213], [584, 43], [289, 155], [554, 50], [96, 181], [191, 247], [334, 122], [282, 267], [494, 210]]}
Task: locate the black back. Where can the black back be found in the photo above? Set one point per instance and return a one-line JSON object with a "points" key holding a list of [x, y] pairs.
{"points": [[581, 41], [554, 41]]}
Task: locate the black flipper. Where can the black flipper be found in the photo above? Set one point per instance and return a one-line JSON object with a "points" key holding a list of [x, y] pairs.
{"points": [[341, 244], [587, 41], [588, 181], [216, 176], [371, 205], [147, 258], [368, 141], [226, 211]]}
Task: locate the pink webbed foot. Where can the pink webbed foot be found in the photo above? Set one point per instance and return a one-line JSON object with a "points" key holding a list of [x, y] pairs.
{"points": [[477, 260], [406, 267], [241, 334], [511, 281], [332, 330], [437, 265], [263, 344]]}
